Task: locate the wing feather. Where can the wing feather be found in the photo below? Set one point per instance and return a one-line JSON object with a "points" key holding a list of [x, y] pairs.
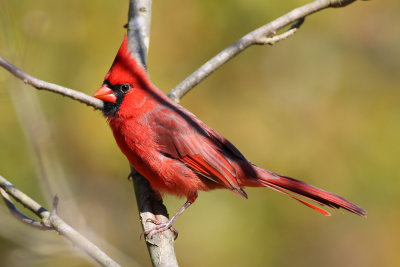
{"points": [[187, 139]]}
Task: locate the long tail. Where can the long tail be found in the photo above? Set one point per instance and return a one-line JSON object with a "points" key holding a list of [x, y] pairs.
{"points": [[289, 185]]}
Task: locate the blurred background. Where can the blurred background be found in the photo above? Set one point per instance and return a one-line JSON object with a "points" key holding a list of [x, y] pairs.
{"points": [[322, 106]]}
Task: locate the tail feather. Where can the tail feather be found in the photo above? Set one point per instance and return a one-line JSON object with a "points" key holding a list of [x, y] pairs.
{"points": [[290, 186]]}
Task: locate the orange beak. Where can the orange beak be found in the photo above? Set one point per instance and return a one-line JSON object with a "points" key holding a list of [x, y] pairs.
{"points": [[105, 94]]}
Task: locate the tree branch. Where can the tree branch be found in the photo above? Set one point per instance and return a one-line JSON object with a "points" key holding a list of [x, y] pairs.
{"points": [[42, 85], [50, 220], [19, 215], [139, 21], [150, 205], [258, 36]]}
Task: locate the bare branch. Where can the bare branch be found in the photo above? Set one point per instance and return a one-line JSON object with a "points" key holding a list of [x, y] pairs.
{"points": [[139, 21], [19, 215], [42, 85], [52, 221], [22, 198], [248, 40], [150, 205]]}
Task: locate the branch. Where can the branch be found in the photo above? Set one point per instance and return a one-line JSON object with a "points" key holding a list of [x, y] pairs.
{"points": [[150, 205], [19, 215], [258, 36], [139, 21], [50, 221], [42, 85]]}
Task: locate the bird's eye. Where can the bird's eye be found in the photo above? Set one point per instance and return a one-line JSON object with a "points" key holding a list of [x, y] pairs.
{"points": [[125, 87]]}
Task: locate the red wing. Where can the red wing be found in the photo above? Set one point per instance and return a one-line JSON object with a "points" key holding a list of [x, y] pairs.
{"points": [[183, 137]]}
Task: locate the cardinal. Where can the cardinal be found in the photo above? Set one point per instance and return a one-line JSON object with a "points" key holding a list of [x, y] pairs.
{"points": [[178, 153]]}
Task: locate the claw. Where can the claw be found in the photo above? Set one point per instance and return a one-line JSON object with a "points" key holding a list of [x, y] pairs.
{"points": [[159, 227]]}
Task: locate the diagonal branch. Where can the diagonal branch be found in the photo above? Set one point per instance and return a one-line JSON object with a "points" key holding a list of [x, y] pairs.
{"points": [[50, 220], [42, 85], [19, 215], [258, 36]]}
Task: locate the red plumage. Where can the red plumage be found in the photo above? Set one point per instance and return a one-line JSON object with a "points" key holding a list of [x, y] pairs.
{"points": [[179, 154]]}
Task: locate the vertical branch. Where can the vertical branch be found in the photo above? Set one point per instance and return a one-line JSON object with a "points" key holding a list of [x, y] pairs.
{"points": [[139, 21], [150, 205]]}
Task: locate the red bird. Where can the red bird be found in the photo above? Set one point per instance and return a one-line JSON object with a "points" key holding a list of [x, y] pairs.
{"points": [[179, 154]]}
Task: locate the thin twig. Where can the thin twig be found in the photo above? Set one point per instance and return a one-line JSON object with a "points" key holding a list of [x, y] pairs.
{"points": [[19, 215], [53, 221], [248, 40], [42, 85], [55, 205]]}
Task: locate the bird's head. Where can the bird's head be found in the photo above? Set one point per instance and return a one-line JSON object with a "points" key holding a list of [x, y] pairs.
{"points": [[124, 75]]}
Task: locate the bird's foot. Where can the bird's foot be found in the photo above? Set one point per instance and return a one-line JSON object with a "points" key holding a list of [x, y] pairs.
{"points": [[160, 227]]}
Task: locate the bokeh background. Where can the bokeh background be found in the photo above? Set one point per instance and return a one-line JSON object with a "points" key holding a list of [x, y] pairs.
{"points": [[323, 106]]}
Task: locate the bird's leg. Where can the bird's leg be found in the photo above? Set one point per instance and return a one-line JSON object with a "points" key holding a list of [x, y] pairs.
{"points": [[161, 227]]}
